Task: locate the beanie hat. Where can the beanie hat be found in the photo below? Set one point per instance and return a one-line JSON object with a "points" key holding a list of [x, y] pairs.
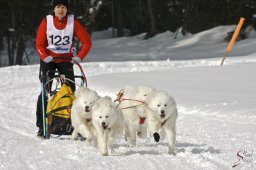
{"points": [[57, 2]]}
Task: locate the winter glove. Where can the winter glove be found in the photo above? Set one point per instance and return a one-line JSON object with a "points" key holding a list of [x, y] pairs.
{"points": [[77, 59], [48, 59]]}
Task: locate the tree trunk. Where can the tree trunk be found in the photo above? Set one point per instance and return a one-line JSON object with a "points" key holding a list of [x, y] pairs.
{"points": [[11, 47], [11, 41], [20, 47], [185, 19], [113, 19], [136, 17], [1, 39], [152, 30], [120, 31]]}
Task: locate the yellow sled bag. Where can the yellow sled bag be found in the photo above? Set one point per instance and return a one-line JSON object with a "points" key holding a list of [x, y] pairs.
{"points": [[58, 112]]}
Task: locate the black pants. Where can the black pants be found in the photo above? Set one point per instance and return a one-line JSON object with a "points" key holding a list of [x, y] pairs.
{"points": [[48, 69]]}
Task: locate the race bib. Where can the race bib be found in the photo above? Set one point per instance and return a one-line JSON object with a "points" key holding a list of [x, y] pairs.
{"points": [[60, 41]]}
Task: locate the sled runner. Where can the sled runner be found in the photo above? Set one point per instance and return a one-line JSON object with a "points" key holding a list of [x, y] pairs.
{"points": [[57, 114]]}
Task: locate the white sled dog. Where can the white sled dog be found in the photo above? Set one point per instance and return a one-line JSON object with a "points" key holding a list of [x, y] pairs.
{"points": [[162, 115], [133, 109], [81, 113], [108, 122]]}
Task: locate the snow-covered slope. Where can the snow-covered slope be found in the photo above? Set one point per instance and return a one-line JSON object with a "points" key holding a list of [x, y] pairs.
{"points": [[206, 44]]}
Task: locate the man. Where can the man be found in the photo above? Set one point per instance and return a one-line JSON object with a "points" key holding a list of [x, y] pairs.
{"points": [[54, 39]]}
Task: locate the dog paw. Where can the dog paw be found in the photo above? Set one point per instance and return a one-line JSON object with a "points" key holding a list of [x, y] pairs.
{"points": [[80, 137], [133, 142], [88, 135], [74, 136], [156, 137], [111, 151], [89, 142], [104, 154], [141, 135], [172, 153]]}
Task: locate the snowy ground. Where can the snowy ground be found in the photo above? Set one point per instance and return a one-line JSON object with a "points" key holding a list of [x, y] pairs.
{"points": [[216, 105]]}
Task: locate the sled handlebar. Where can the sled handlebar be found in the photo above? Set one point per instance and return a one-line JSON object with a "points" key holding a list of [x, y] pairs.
{"points": [[83, 77], [62, 58]]}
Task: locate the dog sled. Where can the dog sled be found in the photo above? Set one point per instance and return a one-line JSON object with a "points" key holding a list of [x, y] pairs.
{"points": [[57, 114]]}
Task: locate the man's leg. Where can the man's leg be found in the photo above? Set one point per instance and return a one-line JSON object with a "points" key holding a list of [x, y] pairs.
{"points": [[44, 68], [66, 68]]}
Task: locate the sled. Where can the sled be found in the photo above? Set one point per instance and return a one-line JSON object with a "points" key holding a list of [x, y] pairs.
{"points": [[57, 114]]}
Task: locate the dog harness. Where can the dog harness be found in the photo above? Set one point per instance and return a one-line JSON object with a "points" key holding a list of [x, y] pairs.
{"points": [[162, 124], [120, 99], [142, 120]]}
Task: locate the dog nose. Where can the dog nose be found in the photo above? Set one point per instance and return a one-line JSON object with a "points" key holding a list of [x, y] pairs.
{"points": [[103, 124], [162, 111], [87, 107]]}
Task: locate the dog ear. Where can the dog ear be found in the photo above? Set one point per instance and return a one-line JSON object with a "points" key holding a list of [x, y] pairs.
{"points": [[95, 106], [128, 88], [128, 91], [78, 92], [97, 97], [149, 97], [172, 100], [134, 92], [108, 98]]}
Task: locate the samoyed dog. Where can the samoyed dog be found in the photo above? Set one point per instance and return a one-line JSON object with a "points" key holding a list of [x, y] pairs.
{"points": [[162, 115], [81, 113], [108, 122], [133, 110]]}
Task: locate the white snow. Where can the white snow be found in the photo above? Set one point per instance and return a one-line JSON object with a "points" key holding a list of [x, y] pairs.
{"points": [[216, 105]]}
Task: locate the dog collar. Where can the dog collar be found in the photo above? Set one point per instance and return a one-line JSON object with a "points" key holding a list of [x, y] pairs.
{"points": [[162, 124]]}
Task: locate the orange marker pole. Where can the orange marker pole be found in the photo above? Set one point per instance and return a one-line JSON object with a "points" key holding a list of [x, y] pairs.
{"points": [[233, 39]]}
